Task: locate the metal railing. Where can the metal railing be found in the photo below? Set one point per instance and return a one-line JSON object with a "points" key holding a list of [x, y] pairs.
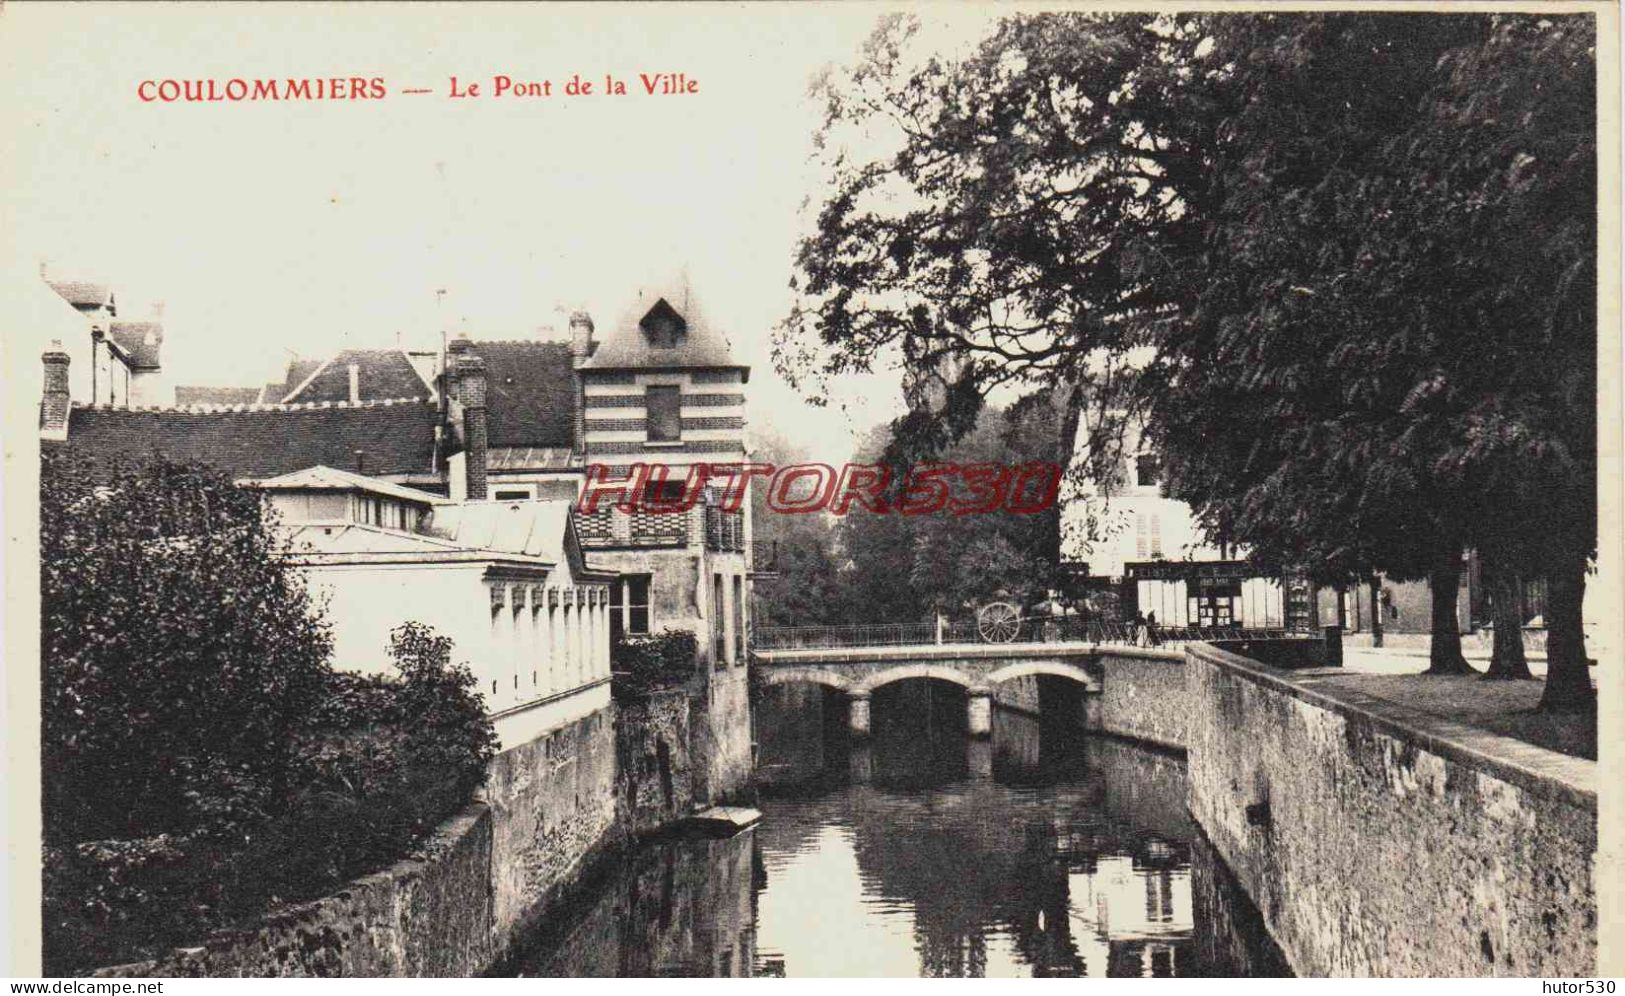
{"points": [[1033, 630]]}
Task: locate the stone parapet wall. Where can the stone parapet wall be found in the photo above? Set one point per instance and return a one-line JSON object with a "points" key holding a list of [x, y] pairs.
{"points": [[424, 916], [548, 808], [1378, 841], [1142, 695]]}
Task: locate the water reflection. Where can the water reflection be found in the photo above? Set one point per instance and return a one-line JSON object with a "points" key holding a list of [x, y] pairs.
{"points": [[1039, 851]]}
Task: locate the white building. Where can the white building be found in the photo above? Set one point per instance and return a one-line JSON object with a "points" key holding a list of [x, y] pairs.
{"points": [[503, 579], [1126, 537]]}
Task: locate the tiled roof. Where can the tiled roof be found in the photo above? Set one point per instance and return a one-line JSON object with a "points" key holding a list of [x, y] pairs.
{"points": [[187, 395], [140, 341], [262, 441], [529, 393], [627, 346], [82, 293], [381, 374]]}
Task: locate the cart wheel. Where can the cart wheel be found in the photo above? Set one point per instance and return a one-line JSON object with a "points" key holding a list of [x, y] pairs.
{"points": [[998, 622]]}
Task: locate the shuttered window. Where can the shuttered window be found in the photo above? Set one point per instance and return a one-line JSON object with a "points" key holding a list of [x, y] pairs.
{"points": [[664, 405]]}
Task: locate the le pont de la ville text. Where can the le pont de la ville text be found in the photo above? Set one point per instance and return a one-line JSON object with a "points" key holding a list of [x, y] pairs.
{"points": [[364, 88]]}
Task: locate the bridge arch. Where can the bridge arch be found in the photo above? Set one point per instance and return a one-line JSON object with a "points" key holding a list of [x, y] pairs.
{"points": [[907, 671], [1022, 669], [809, 675]]}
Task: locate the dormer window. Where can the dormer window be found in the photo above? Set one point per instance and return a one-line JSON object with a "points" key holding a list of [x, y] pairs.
{"points": [[663, 326]]}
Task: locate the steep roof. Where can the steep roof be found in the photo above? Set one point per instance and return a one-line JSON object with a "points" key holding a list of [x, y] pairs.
{"points": [[262, 441], [189, 395], [140, 341], [632, 342], [529, 393], [381, 374]]}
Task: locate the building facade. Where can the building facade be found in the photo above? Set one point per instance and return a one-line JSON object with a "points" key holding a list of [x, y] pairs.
{"points": [[489, 431]]}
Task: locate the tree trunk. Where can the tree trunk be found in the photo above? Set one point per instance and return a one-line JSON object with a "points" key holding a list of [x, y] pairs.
{"points": [[1444, 654], [1507, 658], [1568, 675], [1376, 612]]}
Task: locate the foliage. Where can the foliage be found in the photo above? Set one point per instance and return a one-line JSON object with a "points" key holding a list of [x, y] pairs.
{"points": [[280, 785], [645, 664], [907, 567], [806, 589], [1343, 265], [179, 655]]}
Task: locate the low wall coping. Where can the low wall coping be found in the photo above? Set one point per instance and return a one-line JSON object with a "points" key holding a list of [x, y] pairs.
{"points": [[955, 651], [1544, 772]]}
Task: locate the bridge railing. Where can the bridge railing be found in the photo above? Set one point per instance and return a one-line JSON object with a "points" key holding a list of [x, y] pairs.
{"points": [[1037, 630]]}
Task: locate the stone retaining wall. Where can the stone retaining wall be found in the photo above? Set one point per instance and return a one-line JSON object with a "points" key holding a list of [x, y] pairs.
{"points": [[651, 743], [1378, 841]]}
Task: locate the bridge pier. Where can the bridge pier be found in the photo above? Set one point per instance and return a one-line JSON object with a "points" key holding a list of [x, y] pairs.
{"points": [[979, 758], [857, 714], [979, 713]]}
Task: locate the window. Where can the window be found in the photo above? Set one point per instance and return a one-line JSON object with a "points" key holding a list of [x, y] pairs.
{"points": [[739, 620], [719, 636], [1156, 536], [514, 494], [663, 326], [664, 404], [663, 492], [629, 607], [1147, 470], [1140, 547]]}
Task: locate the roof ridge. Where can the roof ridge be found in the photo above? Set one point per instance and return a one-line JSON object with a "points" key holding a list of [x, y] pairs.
{"points": [[214, 409], [521, 342]]}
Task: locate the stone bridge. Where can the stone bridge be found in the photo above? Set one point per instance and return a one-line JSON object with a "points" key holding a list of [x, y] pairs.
{"points": [[975, 667]]}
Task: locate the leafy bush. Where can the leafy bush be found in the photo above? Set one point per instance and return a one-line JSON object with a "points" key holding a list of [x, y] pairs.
{"points": [[644, 664], [202, 762], [179, 655]]}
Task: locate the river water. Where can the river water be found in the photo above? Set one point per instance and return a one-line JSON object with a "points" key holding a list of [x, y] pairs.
{"points": [[1040, 851]]}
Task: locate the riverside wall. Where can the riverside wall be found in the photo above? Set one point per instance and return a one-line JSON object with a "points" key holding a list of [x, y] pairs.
{"points": [[1379, 841], [1142, 695]]}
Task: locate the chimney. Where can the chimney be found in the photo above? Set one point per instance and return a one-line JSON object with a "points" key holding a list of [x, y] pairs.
{"points": [[581, 348], [53, 415], [466, 387], [158, 311], [581, 344], [355, 383]]}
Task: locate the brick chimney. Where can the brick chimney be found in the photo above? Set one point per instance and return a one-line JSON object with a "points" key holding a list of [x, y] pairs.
{"points": [[466, 390], [581, 349], [53, 413]]}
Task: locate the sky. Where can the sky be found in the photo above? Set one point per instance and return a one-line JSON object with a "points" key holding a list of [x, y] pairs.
{"points": [[268, 229]]}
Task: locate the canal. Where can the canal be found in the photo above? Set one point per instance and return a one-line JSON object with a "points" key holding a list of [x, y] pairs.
{"points": [[1041, 851]]}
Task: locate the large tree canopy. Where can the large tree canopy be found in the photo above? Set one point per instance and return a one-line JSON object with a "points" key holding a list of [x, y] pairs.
{"points": [[1342, 265]]}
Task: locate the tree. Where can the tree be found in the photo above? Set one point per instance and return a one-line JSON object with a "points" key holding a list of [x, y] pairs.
{"points": [[1295, 244], [807, 589], [179, 655]]}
